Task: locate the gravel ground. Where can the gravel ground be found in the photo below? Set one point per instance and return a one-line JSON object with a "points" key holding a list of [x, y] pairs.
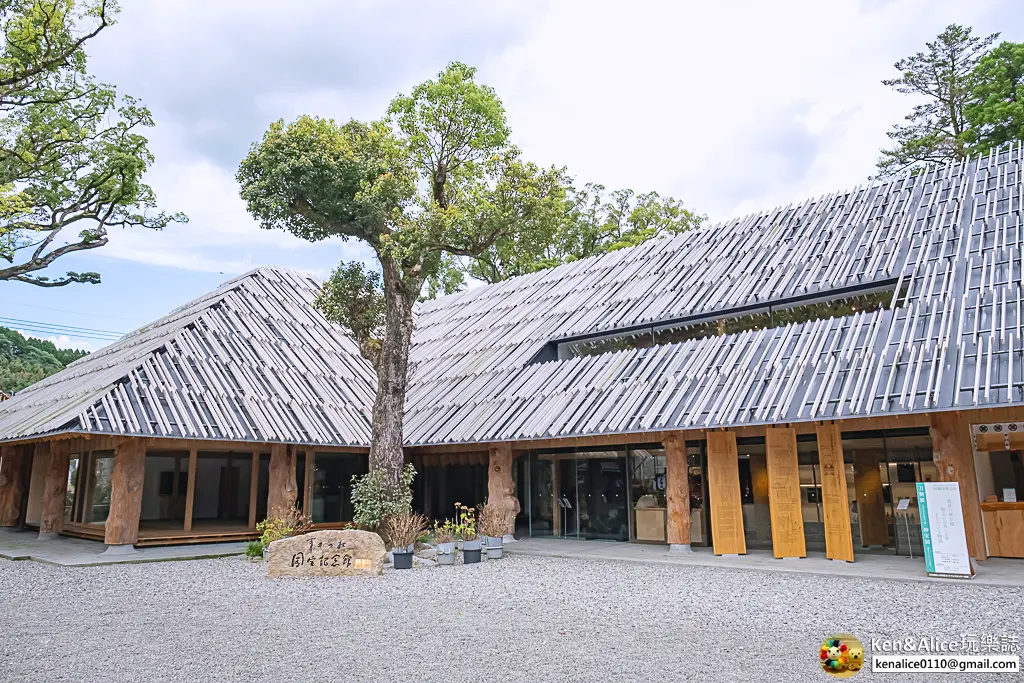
{"points": [[518, 619]]}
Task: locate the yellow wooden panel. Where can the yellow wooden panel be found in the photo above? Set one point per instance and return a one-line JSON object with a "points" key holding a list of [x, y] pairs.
{"points": [[1004, 530], [838, 538], [784, 493], [990, 442], [724, 494]]}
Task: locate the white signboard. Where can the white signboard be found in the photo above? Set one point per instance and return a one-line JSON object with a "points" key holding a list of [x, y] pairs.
{"points": [[903, 504], [942, 530], [1009, 495]]}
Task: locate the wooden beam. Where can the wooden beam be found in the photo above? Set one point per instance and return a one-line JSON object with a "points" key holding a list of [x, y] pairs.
{"points": [[954, 460], [254, 487], [834, 498], [126, 484], [55, 486], [784, 501], [190, 490], [724, 494], [14, 463], [501, 489], [677, 490]]}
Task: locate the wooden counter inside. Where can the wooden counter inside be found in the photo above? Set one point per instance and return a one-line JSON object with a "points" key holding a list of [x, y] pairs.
{"points": [[1004, 528]]}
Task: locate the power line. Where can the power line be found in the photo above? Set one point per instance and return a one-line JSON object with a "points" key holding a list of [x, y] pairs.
{"points": [[62, 310], [64, 327]]}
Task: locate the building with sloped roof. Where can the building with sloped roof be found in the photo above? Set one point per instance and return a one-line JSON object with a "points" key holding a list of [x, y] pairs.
{"points": [[782, 380]]}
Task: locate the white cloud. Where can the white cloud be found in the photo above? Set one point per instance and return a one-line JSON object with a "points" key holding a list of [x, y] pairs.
{"points": [[731, 106]]}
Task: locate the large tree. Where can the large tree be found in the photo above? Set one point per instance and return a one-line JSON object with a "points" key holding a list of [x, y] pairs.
{"points": [[435, 179], [944, 75], [587, 222], [72, 153], [996, 107]]}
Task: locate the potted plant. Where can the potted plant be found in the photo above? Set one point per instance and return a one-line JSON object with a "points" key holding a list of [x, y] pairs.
{"points": [[493, 523], [444, 536], [402, 530], [467, 531]]}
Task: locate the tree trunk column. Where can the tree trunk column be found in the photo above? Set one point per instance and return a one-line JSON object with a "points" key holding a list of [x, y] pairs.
{"points": [[953, 454], [55, 486], [126, 481], [500, 487], [13, 465], [283, 490], [677, 493]]}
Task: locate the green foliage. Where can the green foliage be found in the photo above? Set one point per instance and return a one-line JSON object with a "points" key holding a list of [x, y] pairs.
{"points": [[376, 500], [996, 109], [352, 298], [24, 361], [254, 549], [273, 529], [72, 155], [937, 130]]}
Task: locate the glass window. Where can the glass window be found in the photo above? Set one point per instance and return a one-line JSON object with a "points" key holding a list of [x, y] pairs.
{"points": [[97, 504], [69, 495], [647, 486], [332, 485]]}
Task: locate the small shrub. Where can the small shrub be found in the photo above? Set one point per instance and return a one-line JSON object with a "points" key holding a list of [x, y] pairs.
{"points": [[375, 501], [405, 529], [467, 522], [254, 549], [444, 533], [493, 520], [272, 529]]}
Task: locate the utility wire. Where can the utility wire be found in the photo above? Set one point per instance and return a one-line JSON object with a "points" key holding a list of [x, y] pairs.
{"points": [[66, 327]]}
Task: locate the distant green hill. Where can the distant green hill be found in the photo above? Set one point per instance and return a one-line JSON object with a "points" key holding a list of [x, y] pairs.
{"points": [[24, 361]]}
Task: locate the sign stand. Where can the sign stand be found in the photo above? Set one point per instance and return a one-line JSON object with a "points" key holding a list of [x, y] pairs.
{"points": [[903, 506], [942, 530]]}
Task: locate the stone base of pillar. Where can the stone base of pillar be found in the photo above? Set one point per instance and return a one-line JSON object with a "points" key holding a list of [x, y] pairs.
{"points": [[508, 538], [48, 535], [791, 558], [680, 548], [119, 550]]}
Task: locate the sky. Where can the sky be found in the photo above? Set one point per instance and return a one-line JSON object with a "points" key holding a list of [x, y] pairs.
{"points": [[733, 107]]}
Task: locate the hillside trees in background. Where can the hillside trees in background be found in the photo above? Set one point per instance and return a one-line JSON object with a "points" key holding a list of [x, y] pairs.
{"points": [[24, 361], [72, 153]]}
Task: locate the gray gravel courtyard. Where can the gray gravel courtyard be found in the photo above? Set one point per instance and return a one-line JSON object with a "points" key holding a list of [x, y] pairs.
{"points": [[520, 619]]}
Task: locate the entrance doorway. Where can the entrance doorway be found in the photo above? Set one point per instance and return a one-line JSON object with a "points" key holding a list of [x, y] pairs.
{"points": [[578, 494]]}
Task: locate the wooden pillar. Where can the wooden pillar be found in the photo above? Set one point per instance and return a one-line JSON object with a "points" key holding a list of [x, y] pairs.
{"points": [[953, 454], [126, 483], [190, 489], [14, 463], [867, 482], [501, 489], [784, 497], [677, 491], [55, 486], [724, 494], [282, 494], [556, 509], [834, 503], [254, 487], [307, 485]]}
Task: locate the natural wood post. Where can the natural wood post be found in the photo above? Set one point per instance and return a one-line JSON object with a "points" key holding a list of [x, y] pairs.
{"points": [[953, 454], [724, 494], [254, 487], [784, 498], [126, 482], [190, 488], [501, 488], [307, 485], [834, 505], [55, 486], [282, 493], [13, 467], [677, 492]]}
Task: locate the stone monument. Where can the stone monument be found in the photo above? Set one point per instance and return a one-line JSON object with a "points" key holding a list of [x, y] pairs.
{"points": [[327, 553]]}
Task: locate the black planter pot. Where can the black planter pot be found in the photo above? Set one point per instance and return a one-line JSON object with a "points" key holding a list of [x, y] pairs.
{"points": [[404, 560], [470, 556]]}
